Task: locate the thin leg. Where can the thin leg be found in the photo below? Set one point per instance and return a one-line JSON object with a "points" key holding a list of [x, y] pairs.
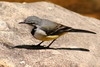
{"points": [[51, 43], [40, 43]]}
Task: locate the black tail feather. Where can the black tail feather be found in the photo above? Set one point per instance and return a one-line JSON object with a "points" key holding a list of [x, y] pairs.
{"points": [[81, 31]]}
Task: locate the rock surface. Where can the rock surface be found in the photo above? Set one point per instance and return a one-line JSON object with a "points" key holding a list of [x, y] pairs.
{"points": [[59, 55]]}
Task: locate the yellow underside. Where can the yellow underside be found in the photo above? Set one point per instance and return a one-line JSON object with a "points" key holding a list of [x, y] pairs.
{"points": [[52, 37]]}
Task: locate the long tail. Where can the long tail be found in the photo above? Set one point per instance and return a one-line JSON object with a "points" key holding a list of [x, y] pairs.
{"points": [[81, 31]]}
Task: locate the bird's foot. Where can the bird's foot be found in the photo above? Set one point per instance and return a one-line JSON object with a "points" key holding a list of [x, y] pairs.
{"points": [[47, 47], [38, 45]]}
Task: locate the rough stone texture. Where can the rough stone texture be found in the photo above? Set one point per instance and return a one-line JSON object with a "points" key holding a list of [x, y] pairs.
{"points": [[14, 34]]}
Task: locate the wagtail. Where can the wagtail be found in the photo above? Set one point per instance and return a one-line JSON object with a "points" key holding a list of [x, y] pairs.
{"points": [[45, 30]]}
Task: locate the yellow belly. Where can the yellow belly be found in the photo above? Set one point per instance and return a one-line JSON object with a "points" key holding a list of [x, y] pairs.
{"points": [[47, 38], [51, 37]]}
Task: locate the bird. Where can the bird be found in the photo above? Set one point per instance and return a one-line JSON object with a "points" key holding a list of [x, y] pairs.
{"points": [[46, 30]]}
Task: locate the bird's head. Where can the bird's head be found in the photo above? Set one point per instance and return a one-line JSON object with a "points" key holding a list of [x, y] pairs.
{"points": [[31, 20]]}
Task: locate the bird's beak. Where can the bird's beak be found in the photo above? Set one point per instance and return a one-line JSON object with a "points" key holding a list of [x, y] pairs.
{"points": [[21, 22]]}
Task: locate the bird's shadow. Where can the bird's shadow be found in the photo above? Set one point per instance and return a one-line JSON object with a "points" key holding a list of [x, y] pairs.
{"points": [[36, 47]]}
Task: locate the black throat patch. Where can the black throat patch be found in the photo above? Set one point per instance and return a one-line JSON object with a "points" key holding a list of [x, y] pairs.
{"points": [[33, 30]]}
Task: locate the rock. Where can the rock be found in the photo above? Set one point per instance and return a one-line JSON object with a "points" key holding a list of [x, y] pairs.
{"points": [[3, 25], [67, 51]]}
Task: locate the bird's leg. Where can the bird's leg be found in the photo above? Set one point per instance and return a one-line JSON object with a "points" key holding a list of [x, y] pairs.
{"points": [[50, 43], [40, 43]]}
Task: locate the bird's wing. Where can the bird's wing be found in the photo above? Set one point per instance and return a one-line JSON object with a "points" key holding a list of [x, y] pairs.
{"points": [[60, 30]]}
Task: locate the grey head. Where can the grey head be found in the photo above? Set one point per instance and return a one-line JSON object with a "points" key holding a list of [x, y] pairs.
{"points": [[31, 20]]}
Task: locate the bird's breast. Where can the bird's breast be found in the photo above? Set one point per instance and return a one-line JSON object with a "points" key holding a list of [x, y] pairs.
{"points": [[41, 35]]}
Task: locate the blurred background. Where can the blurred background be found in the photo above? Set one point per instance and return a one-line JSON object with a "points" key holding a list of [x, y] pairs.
{"points": [[85, 7]]}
